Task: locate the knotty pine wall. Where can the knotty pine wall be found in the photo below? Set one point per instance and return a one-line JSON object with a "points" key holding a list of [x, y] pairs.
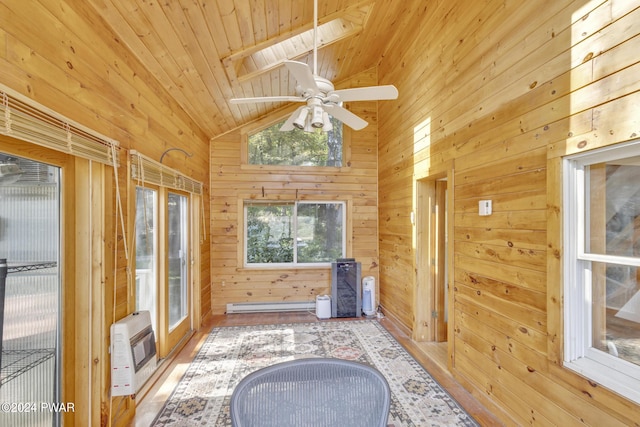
{"points": [[61, 55], [493, 93], [232, 182]]}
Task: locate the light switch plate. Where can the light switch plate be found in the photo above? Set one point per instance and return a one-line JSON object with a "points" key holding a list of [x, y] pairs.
{"points": [[484, 207]]}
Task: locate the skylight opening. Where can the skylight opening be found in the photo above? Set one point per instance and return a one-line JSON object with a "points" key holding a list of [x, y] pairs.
{"points": [[252, 62]]}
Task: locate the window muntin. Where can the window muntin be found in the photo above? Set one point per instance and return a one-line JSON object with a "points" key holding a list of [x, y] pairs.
{"points": [[602, 260], [317, 228], [269, 146]]}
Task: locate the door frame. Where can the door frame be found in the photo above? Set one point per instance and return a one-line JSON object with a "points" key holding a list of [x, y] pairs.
{"points": [[75, 270], [432, 256], [175, 335], [168, 340]]}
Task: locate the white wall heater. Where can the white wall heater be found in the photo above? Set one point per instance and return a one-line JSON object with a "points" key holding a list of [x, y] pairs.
{"points": [[133, 353], [271, 307]]}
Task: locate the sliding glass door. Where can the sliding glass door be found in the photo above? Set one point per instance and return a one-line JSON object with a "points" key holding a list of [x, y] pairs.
{"points": [[30, 291]]}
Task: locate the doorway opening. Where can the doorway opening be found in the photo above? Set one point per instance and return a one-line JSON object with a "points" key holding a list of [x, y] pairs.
{"points": [[432, 267]]}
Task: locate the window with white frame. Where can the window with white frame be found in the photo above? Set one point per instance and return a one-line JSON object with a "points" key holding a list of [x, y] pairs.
{"points": [[602, 267], [294, 233]]}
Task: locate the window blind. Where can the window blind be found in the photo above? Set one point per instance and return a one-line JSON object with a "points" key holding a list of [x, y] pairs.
{"points": [[149, 171], [26, 120]]}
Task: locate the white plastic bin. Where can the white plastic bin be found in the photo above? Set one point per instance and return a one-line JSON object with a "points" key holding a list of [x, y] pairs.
{"points": [[323, 307]]}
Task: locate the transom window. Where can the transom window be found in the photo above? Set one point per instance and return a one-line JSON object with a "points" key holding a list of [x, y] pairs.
{"points": [[602, 260], [270, 146], [299, 233]]}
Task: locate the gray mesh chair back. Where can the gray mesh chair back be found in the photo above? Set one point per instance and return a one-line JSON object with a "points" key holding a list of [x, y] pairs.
{"points": [[313, 392]]}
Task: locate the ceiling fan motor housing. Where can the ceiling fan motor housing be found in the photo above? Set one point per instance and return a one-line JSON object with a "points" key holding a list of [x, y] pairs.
{"points": [[324, 86]]}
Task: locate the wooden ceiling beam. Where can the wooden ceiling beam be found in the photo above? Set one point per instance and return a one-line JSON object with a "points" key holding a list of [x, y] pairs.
{"points": [[347, 13]]}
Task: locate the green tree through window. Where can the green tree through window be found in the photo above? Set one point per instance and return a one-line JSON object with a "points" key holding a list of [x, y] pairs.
{"points": [[294, 233], [270, 146]]}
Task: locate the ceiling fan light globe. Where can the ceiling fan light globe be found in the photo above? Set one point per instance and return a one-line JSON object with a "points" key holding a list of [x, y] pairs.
{"points": [[308, 128], [328, 126], [301, 121], [317, 118]]}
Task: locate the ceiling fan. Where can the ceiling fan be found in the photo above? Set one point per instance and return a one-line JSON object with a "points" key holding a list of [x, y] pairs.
{"points": [[319, 96]]}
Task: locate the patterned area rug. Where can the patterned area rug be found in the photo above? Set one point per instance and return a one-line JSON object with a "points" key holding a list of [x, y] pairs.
{"points": [[202, 397]]}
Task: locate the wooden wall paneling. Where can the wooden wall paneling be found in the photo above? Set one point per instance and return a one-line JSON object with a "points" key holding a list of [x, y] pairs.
{"points": [[613, 122], [481, 369], [425, 195], [482, 296], [232, 182], [529, 279], [532, 406], [552, 399], [73, 63], [555, 239], [529, 259], [524, 239], [532, 339], [90, 279], [481, 384], [66, 58], [118, 272], [605, 400], [83, 301], [474, 89], [505, 94], [137, 92]]}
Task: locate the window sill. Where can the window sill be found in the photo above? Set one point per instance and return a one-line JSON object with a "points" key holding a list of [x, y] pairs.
{"points": [[307, 170], [275, 267], [612, 379]]}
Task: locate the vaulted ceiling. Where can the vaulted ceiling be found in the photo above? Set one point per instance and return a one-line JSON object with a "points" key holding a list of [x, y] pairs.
{"points": [[205, 52]]}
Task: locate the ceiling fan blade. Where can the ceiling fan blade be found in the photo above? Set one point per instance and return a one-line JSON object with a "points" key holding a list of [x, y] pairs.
{"points": [[288, 125], [371, 93], [266, 99], [345, 116], [303, 76]]}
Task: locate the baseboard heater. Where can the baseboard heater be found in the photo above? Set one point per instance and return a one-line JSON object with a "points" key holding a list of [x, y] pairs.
{"points": [[270, 307]]}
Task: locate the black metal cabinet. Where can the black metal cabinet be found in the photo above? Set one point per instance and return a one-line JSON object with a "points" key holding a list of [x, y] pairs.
{"points": [[346, 290]]}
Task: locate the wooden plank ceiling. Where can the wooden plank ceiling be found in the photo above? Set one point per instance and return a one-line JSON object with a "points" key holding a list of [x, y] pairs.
{"points": [[205, 52]]}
